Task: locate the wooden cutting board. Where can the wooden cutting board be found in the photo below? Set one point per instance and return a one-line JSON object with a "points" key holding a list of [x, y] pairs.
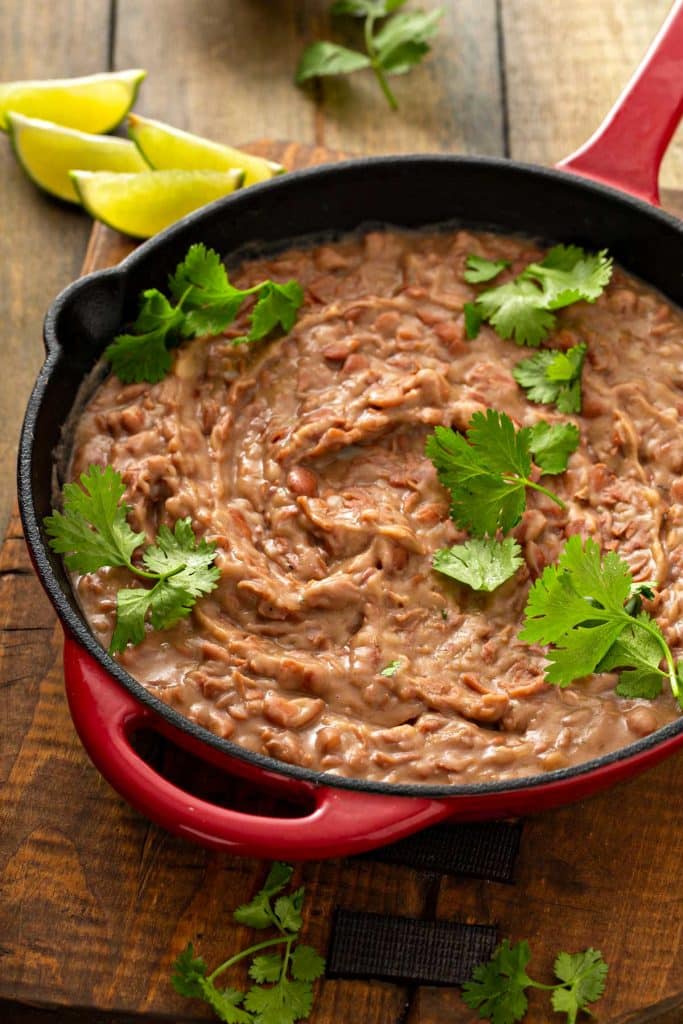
{"points": [[96, 902]]}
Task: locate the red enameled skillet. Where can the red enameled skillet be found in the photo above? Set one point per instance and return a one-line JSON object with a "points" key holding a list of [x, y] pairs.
{"points": [[616, 209]]}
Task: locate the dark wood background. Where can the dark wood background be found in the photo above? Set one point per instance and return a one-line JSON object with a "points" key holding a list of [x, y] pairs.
{"points": [[95, 902]]}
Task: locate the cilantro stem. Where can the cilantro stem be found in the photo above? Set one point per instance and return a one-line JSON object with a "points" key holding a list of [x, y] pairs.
{"points": [[248, 952], [286, 957], [376, 66], [156, 576], [535, 487]]}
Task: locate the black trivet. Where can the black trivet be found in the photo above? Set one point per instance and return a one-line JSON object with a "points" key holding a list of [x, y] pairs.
{"points": [[481, 850], [406, 949]]}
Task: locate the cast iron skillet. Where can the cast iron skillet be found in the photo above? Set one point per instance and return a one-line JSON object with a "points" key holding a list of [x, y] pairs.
{"points": [[342, 816]]}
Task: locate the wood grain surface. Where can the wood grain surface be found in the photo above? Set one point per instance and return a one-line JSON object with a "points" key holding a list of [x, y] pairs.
{"points": [[80, 871], [94, 901]]}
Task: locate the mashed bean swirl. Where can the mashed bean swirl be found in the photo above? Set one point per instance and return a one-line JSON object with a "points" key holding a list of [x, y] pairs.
{"points": [[303, 460]]}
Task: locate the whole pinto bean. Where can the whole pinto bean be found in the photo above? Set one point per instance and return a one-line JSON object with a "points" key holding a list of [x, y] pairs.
{"points": [[302, 481]]}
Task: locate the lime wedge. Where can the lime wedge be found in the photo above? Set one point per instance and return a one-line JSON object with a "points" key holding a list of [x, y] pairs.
{"points": [[142, 204], [96, 103], [47, 152], [165, 147]]}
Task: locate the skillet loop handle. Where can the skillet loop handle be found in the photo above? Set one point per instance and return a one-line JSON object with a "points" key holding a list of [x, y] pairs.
{"points": [[627, 149], [340, 822]]}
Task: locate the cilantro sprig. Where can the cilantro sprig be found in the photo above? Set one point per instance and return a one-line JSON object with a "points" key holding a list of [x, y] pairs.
{"points": [[92, 532], [205, 302], [553, 377], [524, 309], [488, 472], [498, 988], [282, 992], [589, 609], [395, 48], [480, 563]]}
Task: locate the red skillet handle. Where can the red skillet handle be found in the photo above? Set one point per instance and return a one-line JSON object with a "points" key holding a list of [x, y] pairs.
{"points": [[628, 147], [342, 821]]}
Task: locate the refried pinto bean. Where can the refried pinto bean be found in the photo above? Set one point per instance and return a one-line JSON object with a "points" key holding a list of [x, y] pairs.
{"points": [[330, 642]]}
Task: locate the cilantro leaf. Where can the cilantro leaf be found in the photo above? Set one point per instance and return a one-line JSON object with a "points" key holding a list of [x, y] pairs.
{"points": [[307, 964], [92, 532], [283, 1003], [266, 967], [473, 320], [132, 605], [552, 444], [568, 274], [200, 284], [403, 40], [225, 1003], [288, 910], [188, 970], [323, 58], [487, 474], [642, 652], [143, 354], [523, 309], [578, 606], [391, 669], [497, 987], [553, 377], [205, 304], [583, 977], [186, 569], [480, 269], [395, 48], [276, 306], [480, 564], [363, 8], [258, 913], [516, 310]]}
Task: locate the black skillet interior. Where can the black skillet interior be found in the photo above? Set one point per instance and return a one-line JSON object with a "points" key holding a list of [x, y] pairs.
{"points": [[410, 192]]}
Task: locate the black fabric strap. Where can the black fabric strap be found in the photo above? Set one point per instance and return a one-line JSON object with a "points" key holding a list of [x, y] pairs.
{"points": [[481, 850], [406, 949]]}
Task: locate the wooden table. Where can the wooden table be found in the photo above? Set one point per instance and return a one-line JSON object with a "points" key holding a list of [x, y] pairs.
{"points": [[92, 939]]}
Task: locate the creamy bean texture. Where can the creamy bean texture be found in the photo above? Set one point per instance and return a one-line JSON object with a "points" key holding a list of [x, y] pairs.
{"points": [[303, 460]]}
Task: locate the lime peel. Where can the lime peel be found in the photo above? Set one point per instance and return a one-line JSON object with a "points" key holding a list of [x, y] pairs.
{"points": [[92, 103], [140, 205], [48, 151], [165, 147]]}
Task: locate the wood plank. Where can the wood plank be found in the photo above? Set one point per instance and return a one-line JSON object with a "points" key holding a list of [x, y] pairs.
{"points": [[233, 65], [42, 241], [589, 51]]}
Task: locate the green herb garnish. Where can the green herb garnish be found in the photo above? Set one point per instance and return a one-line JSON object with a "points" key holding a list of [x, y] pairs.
{"points": [[283, 990], [92, 532], [479, 269], [481, 563], [524, 309], [205, 303], [590, 610], [395, 48], [487, 474], [498, 988], [552, 377], [392, 668]]}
